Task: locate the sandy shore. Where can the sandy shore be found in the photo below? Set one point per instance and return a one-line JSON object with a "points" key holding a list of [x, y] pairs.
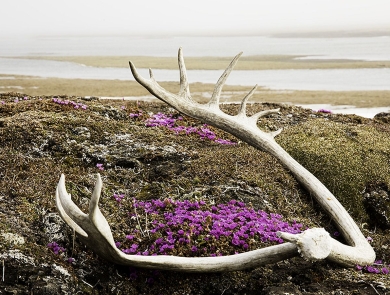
{"points": [[261, 62], [116, 88]]}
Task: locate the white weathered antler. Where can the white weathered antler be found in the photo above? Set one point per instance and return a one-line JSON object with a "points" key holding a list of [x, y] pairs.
{"points": [[93, 229], [359, 251], [313, 244]]}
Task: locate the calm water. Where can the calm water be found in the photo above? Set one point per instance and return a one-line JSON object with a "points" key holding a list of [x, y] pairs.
{"points": [[367, 48], [340, 79], [364, 48], [347, 109]]}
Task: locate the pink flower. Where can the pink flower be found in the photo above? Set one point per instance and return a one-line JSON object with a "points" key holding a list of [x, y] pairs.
{"points": [[118, 198], [324, 111], [100, 166]]}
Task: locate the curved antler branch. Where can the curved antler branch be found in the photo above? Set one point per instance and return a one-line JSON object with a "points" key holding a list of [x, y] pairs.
{"points": [[214, 101], [359, 251]]}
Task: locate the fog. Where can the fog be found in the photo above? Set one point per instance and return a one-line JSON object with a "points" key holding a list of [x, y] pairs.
{"points": [[201, 17]]}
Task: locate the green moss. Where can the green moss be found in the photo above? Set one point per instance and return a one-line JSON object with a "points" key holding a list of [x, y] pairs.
{"points": [[345, 157]]}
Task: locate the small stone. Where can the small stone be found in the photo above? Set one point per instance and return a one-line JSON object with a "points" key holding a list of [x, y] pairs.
{"points": [[377, 204], [14, 239], [384, 117]]}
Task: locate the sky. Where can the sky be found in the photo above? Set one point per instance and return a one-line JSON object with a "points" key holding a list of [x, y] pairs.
{"points": [[199, 17]]}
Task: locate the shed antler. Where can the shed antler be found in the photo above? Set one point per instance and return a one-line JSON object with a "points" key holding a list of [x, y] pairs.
{"points": [[313, 244]]}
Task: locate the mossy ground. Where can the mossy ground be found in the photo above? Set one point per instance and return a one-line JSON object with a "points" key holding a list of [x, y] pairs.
{"points": [[40, 139]]}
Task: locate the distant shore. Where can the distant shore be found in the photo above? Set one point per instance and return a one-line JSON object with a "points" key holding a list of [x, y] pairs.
{"points": [[116, 88], [256, 62]]}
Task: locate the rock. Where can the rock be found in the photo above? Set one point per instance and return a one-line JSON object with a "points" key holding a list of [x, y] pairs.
{"points": [[377, 204], [54, 227], [384, 117], [13, 238]]}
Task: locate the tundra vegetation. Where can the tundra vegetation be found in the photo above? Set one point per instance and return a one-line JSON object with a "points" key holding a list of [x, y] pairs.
{"points": [[41, 138]]}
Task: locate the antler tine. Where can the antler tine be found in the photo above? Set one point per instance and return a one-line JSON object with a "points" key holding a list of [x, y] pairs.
{"points": [[242, 111], [93, 204], [150, 84], [214, 101], [276, 133], [184, 86], [258, 115], [69, 212], [96, 216]]}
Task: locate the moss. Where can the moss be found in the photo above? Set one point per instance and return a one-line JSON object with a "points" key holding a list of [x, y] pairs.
{"points": [[345, 157]]}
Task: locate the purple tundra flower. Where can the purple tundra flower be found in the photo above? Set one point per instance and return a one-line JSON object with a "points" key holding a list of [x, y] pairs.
{"points": [[187, 225]]}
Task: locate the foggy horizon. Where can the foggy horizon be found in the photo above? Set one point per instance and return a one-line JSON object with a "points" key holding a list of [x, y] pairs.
{"points": [[203, 18]]}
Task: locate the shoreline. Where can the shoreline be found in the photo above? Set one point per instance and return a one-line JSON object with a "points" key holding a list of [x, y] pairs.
{"points": [[201, 92]]}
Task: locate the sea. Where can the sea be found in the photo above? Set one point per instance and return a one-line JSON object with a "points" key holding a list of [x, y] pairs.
{"points": [[377, 48]]}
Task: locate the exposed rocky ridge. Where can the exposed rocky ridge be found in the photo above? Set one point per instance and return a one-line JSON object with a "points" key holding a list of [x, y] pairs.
{"points": [[40, 139]]}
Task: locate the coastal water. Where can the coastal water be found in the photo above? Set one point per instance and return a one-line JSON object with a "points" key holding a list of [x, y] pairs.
{"points": [[363, 48], [324, 79]]}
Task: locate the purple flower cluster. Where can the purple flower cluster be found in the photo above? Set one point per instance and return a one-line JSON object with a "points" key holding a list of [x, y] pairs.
{"points": [[377, 268], [118, 197], [16, 100], [161, 119], [73, 104], [57, 249], [169, 122], [136, 115], [100, 166], [324, 111], [196, 228]]}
